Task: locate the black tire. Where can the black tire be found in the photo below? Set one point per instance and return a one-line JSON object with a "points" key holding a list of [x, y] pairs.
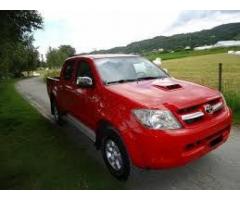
{"points": [[123, 173], [56, 113]]}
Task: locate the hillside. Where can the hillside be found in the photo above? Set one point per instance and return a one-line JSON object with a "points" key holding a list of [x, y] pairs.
{"points": [[180, 41]]}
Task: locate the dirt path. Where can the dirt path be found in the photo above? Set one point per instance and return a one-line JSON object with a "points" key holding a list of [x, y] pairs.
{"points": [[218, 170]]}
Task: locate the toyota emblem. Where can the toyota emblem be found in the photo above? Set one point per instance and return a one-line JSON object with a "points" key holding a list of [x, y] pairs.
{"points": [[208, 109]]}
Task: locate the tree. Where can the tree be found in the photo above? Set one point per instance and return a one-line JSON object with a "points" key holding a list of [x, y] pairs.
{"points": [[16, 50], [25, 57], [56, 56], [67, 49]]}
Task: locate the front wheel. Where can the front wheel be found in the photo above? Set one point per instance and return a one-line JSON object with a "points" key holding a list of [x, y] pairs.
{"points": [[115, 156]]}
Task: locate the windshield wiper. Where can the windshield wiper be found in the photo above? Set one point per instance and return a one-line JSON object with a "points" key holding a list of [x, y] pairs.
{"points": [[120, 81], [137, 79], [150, 77]]}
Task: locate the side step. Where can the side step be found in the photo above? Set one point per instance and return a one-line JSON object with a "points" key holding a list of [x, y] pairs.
{"points": [[81, 127]]}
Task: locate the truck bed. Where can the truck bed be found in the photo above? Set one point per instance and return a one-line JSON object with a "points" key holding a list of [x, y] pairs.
{"points": [[52, 83]]}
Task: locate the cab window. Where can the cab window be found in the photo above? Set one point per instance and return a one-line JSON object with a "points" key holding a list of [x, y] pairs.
{"points": [[83, 69], [68, 71]]}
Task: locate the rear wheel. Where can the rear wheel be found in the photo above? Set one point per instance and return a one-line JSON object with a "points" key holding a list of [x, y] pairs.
{"points": [[56, 113], [115, 156]]}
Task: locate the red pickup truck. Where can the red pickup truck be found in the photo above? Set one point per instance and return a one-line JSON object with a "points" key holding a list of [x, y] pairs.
{"points": [[136, 113]]}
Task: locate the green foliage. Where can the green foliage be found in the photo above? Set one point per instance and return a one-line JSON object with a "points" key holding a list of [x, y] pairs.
{"points": [[24, 58], [50, 73], [16, 25], [16, 50], [56, 56], [180, 41]]}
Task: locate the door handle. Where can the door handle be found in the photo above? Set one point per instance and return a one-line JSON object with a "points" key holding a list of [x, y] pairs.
{"points": [[68, 87]]}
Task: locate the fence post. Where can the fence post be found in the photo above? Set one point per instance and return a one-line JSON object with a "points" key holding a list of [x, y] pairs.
{"points": [[220, 77]]}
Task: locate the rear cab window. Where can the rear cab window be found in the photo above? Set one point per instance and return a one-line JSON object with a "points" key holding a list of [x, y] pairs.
{"points": [[68, 70]]}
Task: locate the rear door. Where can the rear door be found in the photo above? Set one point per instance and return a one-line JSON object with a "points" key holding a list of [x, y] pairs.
{"points": [[67, 85]]}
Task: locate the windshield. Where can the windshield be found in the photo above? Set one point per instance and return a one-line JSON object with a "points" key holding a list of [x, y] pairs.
{"points": [[123, 69]]}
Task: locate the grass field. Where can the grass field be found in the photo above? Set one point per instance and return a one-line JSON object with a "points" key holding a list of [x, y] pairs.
{"points": [[35, 154], [204, 70]]}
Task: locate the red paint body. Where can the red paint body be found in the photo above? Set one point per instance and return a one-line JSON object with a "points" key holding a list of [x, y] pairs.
{"points": [[147, 148]]}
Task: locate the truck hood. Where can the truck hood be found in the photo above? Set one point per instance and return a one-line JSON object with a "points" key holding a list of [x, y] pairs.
{"points": [[168, 92]]}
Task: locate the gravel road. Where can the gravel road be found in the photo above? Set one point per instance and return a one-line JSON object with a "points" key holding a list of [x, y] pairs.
{"points": [[220, 169]]}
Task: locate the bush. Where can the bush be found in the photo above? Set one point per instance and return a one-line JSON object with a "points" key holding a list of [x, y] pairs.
{"points": [[50, 73]]}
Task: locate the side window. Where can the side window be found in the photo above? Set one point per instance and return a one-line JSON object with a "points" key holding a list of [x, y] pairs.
{"points": [[68, 71], [83, 69]]}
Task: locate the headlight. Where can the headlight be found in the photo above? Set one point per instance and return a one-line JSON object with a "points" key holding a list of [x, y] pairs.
{"points": [[157, 119]]}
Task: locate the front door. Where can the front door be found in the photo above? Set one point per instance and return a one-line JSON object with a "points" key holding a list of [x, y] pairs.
{"points": [[83, 103]]}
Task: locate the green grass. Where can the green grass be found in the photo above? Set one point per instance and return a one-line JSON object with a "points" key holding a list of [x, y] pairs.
{"points": [[204, 70], [35, 154]]}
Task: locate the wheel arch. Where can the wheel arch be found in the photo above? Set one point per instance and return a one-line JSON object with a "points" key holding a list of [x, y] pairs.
{"points": [[104, 127]]}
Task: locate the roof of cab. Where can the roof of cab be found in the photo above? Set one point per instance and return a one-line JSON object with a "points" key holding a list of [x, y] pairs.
{"points": [[95, 56]]}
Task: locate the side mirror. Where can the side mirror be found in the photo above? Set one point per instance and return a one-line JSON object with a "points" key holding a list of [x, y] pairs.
{"points": [[84, 81]]}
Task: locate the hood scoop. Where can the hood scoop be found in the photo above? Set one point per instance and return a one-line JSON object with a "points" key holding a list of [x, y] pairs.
{"points": [[166, 85]]}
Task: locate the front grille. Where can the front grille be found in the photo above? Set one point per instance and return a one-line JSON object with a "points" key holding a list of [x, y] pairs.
{"points": [[196, 113], [194, 120]]}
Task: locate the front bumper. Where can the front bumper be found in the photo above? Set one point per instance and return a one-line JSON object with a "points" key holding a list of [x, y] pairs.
{"points": [[156, 149]]}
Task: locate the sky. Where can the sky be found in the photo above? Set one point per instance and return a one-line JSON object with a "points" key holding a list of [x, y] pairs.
{"points": [[87, 30]]}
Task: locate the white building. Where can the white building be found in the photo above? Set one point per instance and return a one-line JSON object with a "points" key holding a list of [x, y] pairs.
{"points": [[228, 43]]}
